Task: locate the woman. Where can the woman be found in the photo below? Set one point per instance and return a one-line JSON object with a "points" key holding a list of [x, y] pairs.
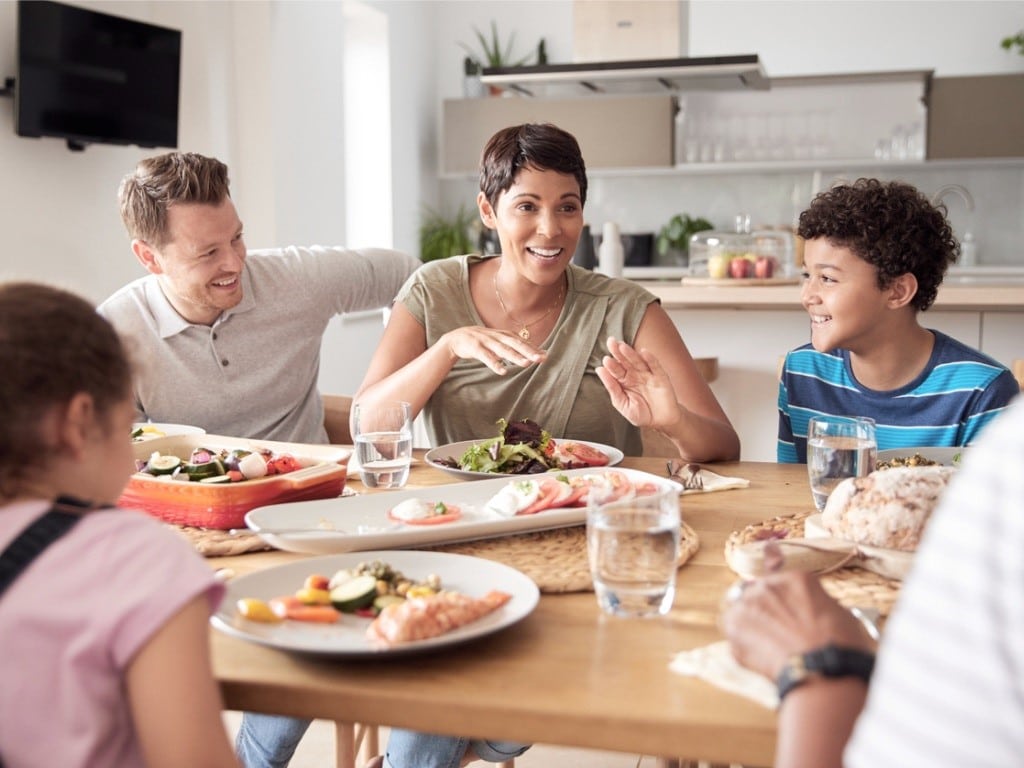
{"points": [[527, 334]]}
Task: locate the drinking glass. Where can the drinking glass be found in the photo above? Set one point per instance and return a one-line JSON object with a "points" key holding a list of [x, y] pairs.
{"points": [[633, 546], [838, 447], [383, 435]]}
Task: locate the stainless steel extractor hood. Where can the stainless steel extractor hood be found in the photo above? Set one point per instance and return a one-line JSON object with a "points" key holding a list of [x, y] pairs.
{"points": [[718, 73]]}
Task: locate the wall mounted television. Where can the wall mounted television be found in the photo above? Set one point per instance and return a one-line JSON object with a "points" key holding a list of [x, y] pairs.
{"points": [[90, 77]]}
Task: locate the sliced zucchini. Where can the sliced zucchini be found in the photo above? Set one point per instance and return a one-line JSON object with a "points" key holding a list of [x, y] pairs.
{"points": [[354, 594], [383, 601], [159, 464], [207, 469], [216, 479]]}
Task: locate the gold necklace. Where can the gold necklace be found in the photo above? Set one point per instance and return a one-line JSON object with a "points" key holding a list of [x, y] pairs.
{"points": [[524, 331]]}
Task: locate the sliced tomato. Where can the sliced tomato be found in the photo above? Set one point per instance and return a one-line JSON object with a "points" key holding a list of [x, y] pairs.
{"points": [[282, 465], [610, 485], [646, 489], [553, 493], [454, 513], [581, 455]]}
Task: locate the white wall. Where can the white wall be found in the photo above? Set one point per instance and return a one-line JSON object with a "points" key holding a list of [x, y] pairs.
{"points": [[248, 67]]}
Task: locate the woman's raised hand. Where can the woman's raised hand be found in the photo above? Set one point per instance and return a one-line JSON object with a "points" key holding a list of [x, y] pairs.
{"points": [[494, 348], [639, 387]]}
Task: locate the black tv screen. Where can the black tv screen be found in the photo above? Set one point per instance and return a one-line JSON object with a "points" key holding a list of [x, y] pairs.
{"points": [[89, 77]]}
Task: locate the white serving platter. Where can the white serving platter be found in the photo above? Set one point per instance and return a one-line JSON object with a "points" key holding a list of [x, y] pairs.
{"points": [[473, 576], [361, 523]]}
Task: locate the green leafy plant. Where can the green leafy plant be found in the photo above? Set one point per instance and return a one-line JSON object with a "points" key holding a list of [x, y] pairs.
{"points": [[676, 234], [493, 53], [1015, 41], [443, 236]]}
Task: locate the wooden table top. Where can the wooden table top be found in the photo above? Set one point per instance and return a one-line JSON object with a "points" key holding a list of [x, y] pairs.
{"points": [[567, 674]]}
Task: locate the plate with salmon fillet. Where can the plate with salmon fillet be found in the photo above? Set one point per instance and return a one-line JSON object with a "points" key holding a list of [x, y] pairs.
{"points": [[476, 597]]}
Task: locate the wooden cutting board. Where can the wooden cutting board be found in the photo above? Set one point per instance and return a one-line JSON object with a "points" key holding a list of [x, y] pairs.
{"points": [[739, 282]]}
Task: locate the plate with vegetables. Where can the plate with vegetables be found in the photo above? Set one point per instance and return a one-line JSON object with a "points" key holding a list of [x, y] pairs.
{"points": [[442, 514], [327, 605], [923, 456], [520, 448]]}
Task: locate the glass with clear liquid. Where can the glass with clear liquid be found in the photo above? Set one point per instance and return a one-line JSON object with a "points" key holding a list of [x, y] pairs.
{"points": [[633, 547], [838, 447], [383, 436]]}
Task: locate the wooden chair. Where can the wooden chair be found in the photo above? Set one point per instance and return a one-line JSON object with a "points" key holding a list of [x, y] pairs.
{"points": [[656, 444], [336, 410], [1018, 371]]}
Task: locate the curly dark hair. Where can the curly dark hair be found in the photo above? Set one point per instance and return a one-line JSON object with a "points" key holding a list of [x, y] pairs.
{"points": [[543, 146], [892, 226]]}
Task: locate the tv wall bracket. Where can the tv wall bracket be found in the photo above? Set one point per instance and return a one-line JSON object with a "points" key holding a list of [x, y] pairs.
{"points": [[8, 89]]}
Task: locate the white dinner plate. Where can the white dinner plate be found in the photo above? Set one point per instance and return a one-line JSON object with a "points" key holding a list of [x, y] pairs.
{"points": [[949, 457], [472, 576], [168, 430], [361, 523], [455, 451]]}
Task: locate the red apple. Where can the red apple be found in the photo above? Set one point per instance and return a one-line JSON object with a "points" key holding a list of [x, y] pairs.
{"points": [[740, 267], [764, 266]]}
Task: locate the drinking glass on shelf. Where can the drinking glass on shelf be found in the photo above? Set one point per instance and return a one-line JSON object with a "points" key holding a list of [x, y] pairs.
{"points": [[633, 548], [838, 447], [383, 435]]}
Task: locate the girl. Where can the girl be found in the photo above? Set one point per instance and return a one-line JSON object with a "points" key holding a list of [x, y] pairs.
{"points": [[106, 661]]}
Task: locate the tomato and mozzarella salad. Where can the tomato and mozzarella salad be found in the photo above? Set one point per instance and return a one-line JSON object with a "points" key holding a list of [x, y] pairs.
{"points": [[528, 496]]}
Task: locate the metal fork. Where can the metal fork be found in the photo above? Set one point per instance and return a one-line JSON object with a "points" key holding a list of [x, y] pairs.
{"points": [[688, 475]]}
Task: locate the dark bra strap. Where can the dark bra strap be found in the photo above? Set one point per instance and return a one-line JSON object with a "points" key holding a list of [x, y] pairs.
{"points": [[37, 536]]}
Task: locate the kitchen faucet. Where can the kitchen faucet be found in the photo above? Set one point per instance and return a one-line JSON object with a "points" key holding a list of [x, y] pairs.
{"points": [[968, 248]]}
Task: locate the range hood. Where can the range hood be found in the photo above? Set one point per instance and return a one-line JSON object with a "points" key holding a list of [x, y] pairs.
{"points": [[708, 73]]}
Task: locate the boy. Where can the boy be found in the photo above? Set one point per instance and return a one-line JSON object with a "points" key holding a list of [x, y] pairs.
{"points": [[875, 254]]}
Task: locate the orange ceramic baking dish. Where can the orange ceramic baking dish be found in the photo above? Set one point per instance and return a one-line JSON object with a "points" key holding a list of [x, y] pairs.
{"points": [[224, 505]]}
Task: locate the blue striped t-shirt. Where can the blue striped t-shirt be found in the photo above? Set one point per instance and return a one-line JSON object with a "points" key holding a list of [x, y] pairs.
{"points": [[958, 393]]}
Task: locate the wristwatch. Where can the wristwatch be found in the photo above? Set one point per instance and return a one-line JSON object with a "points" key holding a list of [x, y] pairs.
{"points": [[828, 661]]}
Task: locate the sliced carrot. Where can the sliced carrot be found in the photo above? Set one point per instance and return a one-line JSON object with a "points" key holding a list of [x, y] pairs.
{"points": [[323, 614]]}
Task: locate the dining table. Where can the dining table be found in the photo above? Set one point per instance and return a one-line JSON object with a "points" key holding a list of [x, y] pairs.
{"points": [[567, 674]]}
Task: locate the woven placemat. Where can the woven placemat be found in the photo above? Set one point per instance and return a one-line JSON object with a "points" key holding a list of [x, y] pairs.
{"points": [[556, 560], [210, 542], [851, 586]]}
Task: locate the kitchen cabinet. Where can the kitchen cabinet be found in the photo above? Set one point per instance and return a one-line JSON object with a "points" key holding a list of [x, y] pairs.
{"points": [[973, 117], [727, 118]]}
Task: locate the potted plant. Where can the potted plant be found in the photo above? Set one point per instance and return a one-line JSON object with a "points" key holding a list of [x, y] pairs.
{"points": [[673, 242], [1014, 41], [442, 236], [492, 53]]}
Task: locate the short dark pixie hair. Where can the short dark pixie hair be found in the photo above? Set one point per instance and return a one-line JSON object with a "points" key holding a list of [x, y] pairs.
{"points": [[542, 146], [892, 226]]}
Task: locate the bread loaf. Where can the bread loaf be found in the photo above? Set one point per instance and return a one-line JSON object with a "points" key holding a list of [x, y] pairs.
{"points": [[888, 508]]}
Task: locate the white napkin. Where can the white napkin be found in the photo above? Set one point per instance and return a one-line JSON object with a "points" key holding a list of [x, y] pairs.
{"points": [[715, 664], [716, 482]]}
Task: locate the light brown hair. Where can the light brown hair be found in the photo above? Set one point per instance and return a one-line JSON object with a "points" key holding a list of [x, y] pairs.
{"points": [[53, 346], [159, 182]]}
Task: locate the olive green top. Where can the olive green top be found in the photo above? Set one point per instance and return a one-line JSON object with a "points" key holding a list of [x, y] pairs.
{"points": [[563, 394]]}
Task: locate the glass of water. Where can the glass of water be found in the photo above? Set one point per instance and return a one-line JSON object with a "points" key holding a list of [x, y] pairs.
{"points": [[383, 435], [633, 546], [838, 447]]}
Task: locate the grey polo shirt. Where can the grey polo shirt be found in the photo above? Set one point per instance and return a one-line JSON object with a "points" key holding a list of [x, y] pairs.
{"points": [[254, 372]]}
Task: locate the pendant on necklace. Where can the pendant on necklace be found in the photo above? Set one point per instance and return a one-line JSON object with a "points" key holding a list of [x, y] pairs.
{"points": [[524, 333]]}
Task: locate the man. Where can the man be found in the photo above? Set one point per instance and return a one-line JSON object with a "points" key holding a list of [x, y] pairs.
{"points": [[226, 339], [229, 340]]}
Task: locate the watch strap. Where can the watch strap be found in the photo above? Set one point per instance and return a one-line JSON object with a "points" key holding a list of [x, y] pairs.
{"points": [[830, 661]]}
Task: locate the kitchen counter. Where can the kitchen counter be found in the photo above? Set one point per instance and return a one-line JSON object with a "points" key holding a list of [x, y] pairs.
{"points": [[956, 294]]}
